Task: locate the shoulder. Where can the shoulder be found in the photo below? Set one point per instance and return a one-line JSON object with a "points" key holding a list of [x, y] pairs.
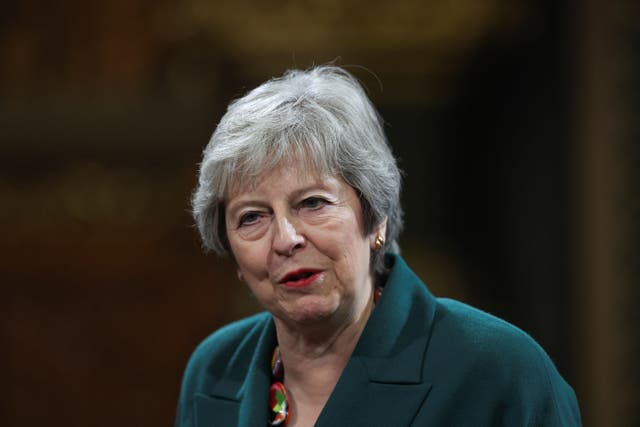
{"points": [[491, 360], [486, 341], [483, 334], [223, 343]]}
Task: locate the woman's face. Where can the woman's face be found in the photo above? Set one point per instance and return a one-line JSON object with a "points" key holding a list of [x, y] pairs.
{"points": [[299, 243]]}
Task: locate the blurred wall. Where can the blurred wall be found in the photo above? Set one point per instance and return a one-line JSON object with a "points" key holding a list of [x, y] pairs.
{"points": [[513, 121]]}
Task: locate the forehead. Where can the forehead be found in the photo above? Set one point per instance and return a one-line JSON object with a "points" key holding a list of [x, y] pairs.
{"points": [[295, 170]]}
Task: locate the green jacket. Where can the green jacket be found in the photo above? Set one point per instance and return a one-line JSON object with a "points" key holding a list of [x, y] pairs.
{"points": [[421, 361]]}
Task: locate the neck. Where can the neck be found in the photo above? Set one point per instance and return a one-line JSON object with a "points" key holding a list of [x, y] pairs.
{"points": [[314, 357], [331, 337]]}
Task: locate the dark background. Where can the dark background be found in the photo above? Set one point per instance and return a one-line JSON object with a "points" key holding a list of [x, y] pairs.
{"points": [[512, 120]]}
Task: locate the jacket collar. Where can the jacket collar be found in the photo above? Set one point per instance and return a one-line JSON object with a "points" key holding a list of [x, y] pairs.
{"points": [[394, 341], [386, 365]]}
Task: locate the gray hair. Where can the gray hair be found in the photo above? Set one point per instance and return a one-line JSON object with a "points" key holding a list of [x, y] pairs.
{"points": [[322, 114]]}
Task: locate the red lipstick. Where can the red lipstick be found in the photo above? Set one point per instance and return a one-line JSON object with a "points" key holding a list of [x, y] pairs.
{"points": [[301, 278]]}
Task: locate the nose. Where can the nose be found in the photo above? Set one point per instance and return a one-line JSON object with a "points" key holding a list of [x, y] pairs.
{"points": [[287, 239]]}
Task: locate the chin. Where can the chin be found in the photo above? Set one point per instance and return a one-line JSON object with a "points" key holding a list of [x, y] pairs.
{"points": [[311, 310]]}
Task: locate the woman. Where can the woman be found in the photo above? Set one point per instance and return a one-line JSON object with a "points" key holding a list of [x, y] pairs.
{"points": [[298, 185]]}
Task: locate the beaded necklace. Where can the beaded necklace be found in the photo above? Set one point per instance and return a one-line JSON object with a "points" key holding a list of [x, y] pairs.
{"points": [[278, 398]]}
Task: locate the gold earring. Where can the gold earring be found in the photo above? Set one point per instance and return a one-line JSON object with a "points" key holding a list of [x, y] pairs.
{"points": [[379, 242]]}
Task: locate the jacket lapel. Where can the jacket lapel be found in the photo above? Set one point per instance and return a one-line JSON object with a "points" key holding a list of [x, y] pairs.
{"points": [[383, 382], [254, 407], [235, 403], [213, 411]]}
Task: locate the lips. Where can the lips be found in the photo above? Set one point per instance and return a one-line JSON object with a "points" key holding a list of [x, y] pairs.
{"points": [[300, 278]]}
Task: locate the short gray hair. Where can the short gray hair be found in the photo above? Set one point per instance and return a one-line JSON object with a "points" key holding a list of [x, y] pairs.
{"points": [[322, 113]]}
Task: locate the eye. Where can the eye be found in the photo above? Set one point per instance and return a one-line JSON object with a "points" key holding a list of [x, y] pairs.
{"points": [[313, 203], [249, 218]]}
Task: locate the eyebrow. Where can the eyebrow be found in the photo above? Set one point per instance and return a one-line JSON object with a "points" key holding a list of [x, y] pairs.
{"points": [[235, 207]]}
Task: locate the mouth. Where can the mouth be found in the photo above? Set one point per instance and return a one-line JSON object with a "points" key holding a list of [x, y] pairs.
{"points": [[300, 278]]}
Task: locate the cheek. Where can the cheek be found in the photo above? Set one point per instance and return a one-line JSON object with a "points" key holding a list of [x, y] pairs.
{"points": [[250, 257], [344, 243]]}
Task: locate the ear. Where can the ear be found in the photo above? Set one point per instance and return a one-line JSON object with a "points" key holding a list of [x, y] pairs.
{"points": [[380, 230]]}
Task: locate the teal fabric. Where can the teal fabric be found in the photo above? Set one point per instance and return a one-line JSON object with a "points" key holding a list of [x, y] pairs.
{"points": [[421, 361]]}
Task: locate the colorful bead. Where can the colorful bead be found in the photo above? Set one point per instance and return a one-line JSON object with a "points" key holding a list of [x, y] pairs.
{"points": [[279, 404], [277, 369]]}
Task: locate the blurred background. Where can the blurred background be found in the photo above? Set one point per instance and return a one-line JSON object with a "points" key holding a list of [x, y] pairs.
{"points": [[515, 122]]}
